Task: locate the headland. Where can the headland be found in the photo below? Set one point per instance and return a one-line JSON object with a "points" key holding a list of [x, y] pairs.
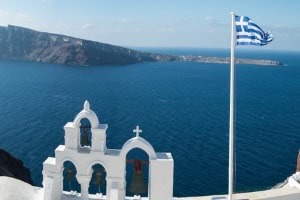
{"points": [[19, 43]]}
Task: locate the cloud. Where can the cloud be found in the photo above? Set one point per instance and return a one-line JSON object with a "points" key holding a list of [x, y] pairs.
{"points": [[209, 18], [15, 18], [126, 20], [87, 26], [46, 1], [22, 18], [5, 18], [4, 14], [138, 30], [165, 30]]}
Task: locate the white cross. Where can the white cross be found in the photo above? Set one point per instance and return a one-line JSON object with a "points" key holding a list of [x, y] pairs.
{"points": [[137, 130], [241, 23]]}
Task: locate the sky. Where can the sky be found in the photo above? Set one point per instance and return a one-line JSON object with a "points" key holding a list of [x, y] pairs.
{"points": [[156, 23]]}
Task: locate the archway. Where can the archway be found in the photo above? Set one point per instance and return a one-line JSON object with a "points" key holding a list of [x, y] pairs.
{"points": [[137, 172], [85, 133], [70, 183], [142, 144], [97, 183]]}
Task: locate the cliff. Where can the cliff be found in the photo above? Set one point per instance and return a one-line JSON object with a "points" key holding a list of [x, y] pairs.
{"points": [[18, 43], [12, 167]]}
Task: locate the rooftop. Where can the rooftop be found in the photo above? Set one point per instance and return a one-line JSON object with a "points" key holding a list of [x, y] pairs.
{"points": [[11, 188]]}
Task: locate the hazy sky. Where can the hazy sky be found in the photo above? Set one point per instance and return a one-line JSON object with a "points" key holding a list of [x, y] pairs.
{"points": [[156, 23]]}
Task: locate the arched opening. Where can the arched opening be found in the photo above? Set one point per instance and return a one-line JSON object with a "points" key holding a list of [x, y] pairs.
{"points": [[137, 172], [98, 180], [85, 133], [70, 183]]}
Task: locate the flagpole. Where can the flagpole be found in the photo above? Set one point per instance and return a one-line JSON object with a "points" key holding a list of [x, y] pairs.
{"points": [[231, 111]]}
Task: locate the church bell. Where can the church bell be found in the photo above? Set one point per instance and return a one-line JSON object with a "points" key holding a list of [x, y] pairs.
{"points": [[137, 185], [85, 138]]}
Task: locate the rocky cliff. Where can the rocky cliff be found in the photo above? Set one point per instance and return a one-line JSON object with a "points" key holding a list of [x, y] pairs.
{"points": [[18, 43], [12, 167]]}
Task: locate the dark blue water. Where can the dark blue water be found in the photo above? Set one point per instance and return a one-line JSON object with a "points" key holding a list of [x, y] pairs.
{"points": [[181, 107]]}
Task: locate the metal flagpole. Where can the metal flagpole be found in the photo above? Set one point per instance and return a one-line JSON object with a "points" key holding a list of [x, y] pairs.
{"points": [[231, 111]]}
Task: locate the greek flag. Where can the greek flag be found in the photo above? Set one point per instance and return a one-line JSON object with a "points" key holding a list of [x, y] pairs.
{"points": [[249, 33]]}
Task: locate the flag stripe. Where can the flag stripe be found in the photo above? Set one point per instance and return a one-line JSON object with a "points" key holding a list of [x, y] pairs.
{"points": [[255, 27], [259, 36]]}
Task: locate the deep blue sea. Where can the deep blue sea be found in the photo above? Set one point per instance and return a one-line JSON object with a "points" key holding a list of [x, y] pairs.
{"points": [[182, 108]]}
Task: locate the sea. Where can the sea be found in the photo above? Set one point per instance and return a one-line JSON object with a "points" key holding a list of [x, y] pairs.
{"points": [[182, 108]]}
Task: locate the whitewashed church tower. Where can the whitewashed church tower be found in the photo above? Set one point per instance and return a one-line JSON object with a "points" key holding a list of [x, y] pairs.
{"points": [[87, 149]]}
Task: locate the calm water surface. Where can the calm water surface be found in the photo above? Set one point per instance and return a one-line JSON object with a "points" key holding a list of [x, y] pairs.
{"points": [[181, 107]]}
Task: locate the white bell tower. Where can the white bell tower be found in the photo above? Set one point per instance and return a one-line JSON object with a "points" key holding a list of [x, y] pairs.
{"points": [[72, 130], [84, 157]]}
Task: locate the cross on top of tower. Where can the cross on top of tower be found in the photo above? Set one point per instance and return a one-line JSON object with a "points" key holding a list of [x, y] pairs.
{"points": [[137, 130]]}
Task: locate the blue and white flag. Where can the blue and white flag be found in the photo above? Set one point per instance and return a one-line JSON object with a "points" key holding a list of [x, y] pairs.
{"points": [[249, 33]]}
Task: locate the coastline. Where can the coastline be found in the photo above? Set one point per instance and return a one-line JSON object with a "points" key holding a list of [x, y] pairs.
{"points": [[226, 60]]}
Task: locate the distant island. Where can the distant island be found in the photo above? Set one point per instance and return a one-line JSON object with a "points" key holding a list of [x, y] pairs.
{"points": [[19, 43]]}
